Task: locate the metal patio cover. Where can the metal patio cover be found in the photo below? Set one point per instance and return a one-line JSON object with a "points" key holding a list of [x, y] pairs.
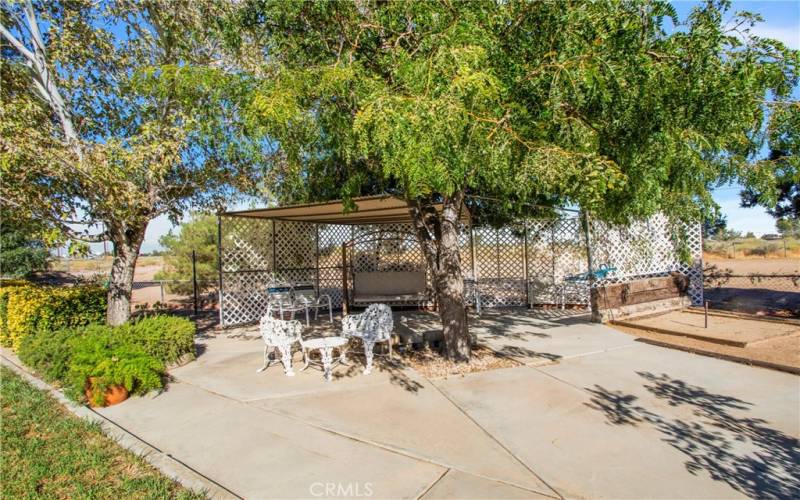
{"points": [[379, 209]]}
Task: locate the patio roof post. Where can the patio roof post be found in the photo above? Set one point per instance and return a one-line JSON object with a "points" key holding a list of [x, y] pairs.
{"points": [[344, 279]]}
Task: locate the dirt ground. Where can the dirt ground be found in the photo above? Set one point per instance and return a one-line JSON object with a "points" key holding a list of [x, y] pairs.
{"points": [[783, 350], [723, 328]]}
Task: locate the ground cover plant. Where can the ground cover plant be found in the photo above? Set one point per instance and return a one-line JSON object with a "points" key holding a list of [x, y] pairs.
{"points": [[48, 453], [134, 355]]}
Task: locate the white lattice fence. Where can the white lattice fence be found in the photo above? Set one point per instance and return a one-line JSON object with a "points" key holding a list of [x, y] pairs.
{"points": [[532, 260], [500, 265], [652, 247]]}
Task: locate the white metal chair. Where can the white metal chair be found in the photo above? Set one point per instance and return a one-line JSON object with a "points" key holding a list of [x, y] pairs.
{"points": [[279, 335], [304, 296], [372, 326]]}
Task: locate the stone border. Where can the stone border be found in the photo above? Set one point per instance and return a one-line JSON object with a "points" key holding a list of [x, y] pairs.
{"points": [[164, 462]]}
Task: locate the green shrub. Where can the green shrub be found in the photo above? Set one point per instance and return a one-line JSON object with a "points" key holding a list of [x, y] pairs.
{"points": [[27, 309], [164, 337], [98, 353]]}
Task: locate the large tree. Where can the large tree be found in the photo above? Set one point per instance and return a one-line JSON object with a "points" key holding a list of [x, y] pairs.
{"points": [[592, 104], [114, 113]]}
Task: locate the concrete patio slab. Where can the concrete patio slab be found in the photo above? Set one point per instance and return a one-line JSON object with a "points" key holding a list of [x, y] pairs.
{"points": [[539, 338], [456, 484], [607, 417], [687, 385], [421, 423], [550, 426], [228, 367], [259, 454]]}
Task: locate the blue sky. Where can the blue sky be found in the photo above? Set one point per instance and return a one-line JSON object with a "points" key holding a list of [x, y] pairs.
{"points": [[782, 22]]}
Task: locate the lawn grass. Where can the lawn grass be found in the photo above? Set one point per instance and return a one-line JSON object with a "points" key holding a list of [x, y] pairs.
{"points": [[49, 453]]}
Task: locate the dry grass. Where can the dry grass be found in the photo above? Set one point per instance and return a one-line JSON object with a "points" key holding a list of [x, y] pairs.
{"points": [[751, 248]]}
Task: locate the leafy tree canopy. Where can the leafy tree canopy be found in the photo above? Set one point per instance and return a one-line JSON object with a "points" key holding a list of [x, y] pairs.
{"points": [[116, 112], [592, 103]]}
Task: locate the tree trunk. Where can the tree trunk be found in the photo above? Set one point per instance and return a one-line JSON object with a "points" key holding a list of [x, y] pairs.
{"points": [[438, 238], [127, 243]]}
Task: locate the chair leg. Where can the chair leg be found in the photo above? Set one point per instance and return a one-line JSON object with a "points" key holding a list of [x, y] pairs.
{"points": [[307, 322], [305, 359], [266, 360], [286, 359], [369, 345]]}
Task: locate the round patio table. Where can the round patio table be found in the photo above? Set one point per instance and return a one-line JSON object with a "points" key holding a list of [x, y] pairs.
{"points": [[325, 346]]}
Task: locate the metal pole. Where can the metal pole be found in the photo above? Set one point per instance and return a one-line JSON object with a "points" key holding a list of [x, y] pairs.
{"points": [[162, 293], [194, 280], [734, 250], [274, 256], [587, 237], [344, 279], [316, 227], [705, 311], [219, 265], [525, 263], [784, 246]]}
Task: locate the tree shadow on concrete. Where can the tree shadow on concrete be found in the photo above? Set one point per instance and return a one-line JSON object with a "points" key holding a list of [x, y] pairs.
{"points": [[517, 352], [394, 368], [744, 452]]}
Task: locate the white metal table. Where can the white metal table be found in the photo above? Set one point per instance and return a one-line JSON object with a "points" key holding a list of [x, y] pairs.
{"points": [[325, 346]]}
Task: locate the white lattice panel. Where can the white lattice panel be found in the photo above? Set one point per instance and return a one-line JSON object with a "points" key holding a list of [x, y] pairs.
{"points": [[499, 265], [497, 259], [652, 247]]}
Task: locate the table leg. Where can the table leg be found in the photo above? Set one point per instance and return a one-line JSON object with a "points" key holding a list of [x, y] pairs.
{"points": [[327, 359]]}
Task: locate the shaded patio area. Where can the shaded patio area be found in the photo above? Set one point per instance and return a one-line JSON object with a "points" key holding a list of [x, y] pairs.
{"points": [[589, 412]]}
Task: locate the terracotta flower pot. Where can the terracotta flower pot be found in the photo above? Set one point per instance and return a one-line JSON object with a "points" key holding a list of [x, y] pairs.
{"points": [[114, 393]]}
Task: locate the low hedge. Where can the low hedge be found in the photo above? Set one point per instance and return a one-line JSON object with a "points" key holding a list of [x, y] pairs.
{"points": [[26, 309], [167, 338], [133, 355]]}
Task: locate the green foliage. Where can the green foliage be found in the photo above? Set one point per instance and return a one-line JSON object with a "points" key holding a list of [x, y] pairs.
{"points": [[783, 198], [166, 338], [49, 353], [28, 309], [134, 354], [20, 253], [98, 354], [593, 104], [200, 235], [788, 227], [50, 453]]}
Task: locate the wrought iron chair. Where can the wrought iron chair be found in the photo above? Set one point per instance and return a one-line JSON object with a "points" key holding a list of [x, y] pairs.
{"points": [[279, 335], [372, 326]]}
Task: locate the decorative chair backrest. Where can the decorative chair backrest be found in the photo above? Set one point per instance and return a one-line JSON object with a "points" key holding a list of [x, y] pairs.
{"points": [[280, 332], [304, 293], [376, 323]]}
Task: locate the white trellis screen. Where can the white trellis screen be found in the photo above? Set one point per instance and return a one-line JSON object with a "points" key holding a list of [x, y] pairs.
{"points": [[524, 263]]}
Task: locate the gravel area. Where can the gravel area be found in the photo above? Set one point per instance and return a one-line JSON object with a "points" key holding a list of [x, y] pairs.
{"points": [[432, 365]]}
